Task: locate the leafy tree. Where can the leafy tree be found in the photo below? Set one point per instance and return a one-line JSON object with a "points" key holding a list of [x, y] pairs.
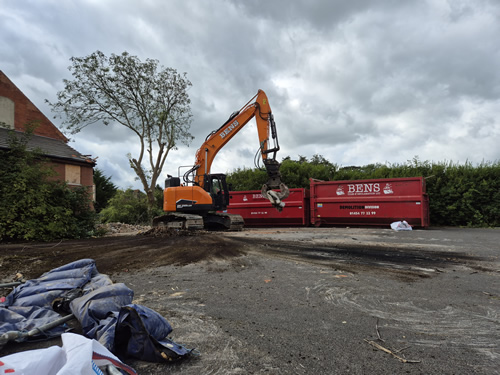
{"points": [[104, 190], [294, 173], [149, 100], [247, 179], [129, 207], [297, 173], [34, 206]]}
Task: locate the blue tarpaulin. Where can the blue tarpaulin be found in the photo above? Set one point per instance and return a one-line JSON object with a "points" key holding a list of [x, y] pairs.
{"points": [[104, 310]]}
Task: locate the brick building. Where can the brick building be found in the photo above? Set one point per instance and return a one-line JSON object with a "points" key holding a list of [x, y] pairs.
{"points": [[16, 111]]}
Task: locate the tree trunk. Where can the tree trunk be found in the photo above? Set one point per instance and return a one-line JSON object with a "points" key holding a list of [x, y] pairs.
{"points": [[151, 203]]}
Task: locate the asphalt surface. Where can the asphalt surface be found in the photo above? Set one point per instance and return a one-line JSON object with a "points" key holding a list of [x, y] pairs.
{"points": [[320, 300]]}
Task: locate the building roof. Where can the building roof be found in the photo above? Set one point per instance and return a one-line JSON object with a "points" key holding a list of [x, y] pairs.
{"points": [[25, 112], [50, 147]]}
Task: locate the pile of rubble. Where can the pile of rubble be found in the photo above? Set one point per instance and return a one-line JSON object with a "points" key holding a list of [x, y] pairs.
{"points": [[163, 231], [111, 229], [117, 229]]}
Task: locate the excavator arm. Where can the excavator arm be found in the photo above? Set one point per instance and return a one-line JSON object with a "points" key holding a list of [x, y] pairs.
{"points": [[259, 108]]}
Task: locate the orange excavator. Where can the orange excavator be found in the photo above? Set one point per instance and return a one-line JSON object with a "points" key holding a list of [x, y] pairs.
{"points": [[199, 201]]}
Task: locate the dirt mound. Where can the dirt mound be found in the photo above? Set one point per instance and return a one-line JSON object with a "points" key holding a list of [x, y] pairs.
{"points": [[117, 253], [171, 232]]}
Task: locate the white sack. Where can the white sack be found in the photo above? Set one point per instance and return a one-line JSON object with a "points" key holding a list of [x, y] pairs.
{"points": [[401, 225], [77, 356]]}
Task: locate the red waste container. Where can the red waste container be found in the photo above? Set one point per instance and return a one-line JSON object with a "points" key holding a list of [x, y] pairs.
{"points": [[369, 202], [258, 211]]}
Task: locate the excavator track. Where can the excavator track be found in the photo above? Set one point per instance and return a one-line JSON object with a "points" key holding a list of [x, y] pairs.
{"points": [[237, 222], [223, 221], [178, 220], [209, 221]]}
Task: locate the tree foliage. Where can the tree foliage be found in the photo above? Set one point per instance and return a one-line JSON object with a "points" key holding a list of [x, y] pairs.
{"points": [[459, 195], [247, 179], [104, 190], [34, 206], [149, 100], [297, 173], [128, 206]]}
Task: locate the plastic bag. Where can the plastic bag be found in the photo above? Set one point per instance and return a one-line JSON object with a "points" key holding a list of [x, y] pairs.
{"points": [[401, 225], [77, 356]]}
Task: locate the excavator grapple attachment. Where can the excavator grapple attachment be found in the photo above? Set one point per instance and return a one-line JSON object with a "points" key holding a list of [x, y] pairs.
{"points": [[274, 182], [276, 198]]}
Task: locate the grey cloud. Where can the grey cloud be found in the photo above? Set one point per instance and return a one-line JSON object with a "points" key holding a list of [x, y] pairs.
{"points": [[358, 81]]}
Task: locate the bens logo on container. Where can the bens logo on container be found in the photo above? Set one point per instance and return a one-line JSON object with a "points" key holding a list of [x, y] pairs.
{"points": [[359, 189]]}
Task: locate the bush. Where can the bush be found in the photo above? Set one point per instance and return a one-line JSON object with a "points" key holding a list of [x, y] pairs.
{"points": [[129, 207], [35, 207]]}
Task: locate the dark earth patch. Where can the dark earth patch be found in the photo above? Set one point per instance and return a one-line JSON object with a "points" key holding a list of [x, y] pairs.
{"points": [[115, 254], [404, 262], [171, 247]]}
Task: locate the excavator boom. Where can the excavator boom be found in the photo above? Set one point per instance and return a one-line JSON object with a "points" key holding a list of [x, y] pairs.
{"points": [[200, 200], [259, 108]]}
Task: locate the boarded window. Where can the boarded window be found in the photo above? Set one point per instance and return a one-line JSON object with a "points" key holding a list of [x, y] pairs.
{"points": [[72, 174], [6, 112]]}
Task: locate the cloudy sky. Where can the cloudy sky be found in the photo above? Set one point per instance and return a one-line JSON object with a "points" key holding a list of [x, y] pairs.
{"points": [[359, 81]]}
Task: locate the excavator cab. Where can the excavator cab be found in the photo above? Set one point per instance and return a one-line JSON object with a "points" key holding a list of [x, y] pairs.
{"points": [[181, 198], [216, 186]]}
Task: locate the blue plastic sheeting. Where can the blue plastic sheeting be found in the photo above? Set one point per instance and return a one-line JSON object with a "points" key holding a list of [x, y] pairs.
{"points": [[133, 321], [26, 318], [104, 309], [42, 291], [29, 305]]}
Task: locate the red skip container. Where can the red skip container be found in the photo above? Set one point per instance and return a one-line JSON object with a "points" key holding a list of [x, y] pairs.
{"points": [[369, 202], [257, 211]]}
